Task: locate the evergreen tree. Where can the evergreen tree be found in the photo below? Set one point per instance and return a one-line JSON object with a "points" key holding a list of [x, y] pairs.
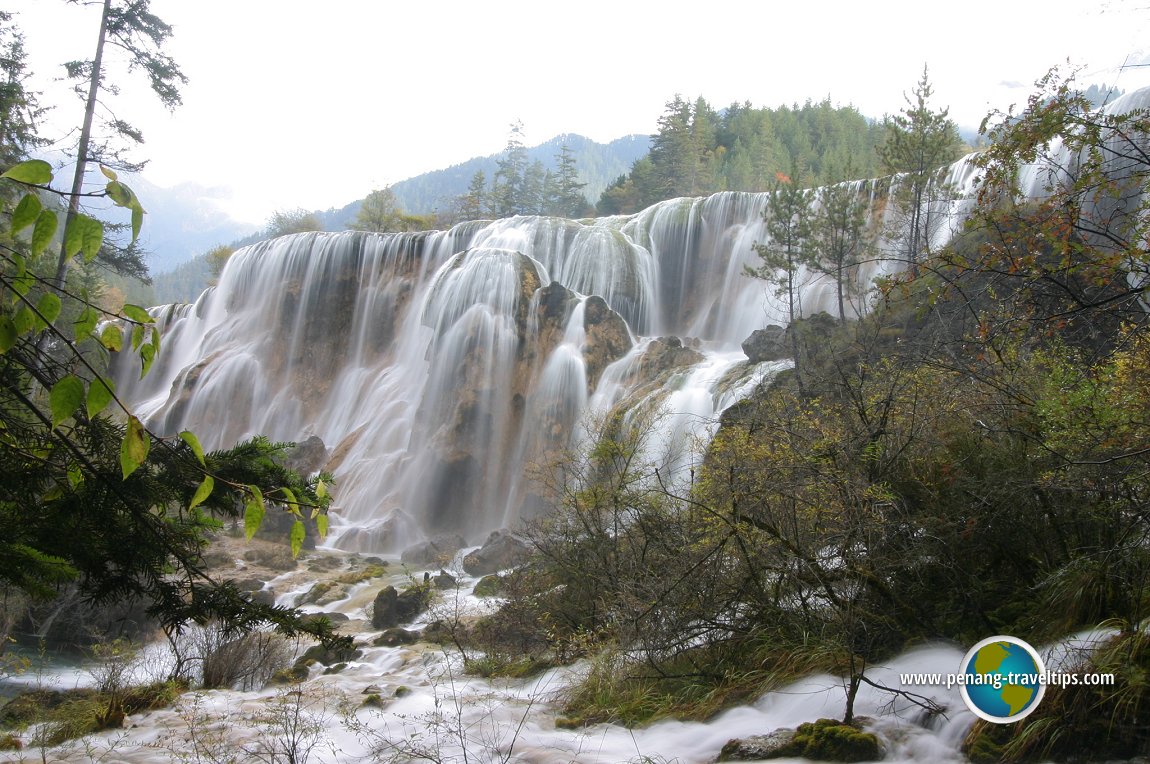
{"points": [[89, 497], [673, 151], [130, 26], [919, 141], [474, 204], [567, 198], [508, 185], [19, 107], [533, 198], [839, 239], [786, 217]]}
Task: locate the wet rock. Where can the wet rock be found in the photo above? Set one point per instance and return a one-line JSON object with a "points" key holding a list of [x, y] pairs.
{"points": [[438, 550], [264, 597], [275, 556], [555, 304], [488, 586], [332, 618], [395, 636], [667, 354], [307, 457], [251, 584], [607, 341], [439, 632], [373, 700], [500, 551], [297, 673], [323, 593], [392, 607], [444, 580], [757, 747], [328, 657], [824, 740], [767, 344]]}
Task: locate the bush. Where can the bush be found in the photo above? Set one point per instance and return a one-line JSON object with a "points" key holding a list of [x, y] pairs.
{"points": [[246, 662]]}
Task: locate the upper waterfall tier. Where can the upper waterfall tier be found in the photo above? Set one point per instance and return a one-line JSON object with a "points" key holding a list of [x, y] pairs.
{"points": [[437, 366]]}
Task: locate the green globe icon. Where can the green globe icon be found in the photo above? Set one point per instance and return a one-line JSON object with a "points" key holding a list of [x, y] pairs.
{"points": [[1003, 679]]}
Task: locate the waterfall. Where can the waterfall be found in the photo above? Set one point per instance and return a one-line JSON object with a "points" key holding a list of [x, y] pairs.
{"points": [[436, 366]]}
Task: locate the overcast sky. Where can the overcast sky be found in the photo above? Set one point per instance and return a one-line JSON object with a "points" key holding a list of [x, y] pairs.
{"points": [[313, 104]]}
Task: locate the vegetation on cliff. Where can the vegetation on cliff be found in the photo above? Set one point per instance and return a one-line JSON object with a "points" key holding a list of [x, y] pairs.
{"points": [[968, 459]]}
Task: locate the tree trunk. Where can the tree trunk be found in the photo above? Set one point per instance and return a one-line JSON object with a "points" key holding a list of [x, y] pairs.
{"points": [[85, 140]]}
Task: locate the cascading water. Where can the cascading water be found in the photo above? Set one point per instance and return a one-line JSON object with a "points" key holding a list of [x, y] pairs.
{"points": [[435, 366]]}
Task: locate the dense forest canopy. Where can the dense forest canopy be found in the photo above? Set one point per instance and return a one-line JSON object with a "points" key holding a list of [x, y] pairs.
{"points": [[700, 151]]}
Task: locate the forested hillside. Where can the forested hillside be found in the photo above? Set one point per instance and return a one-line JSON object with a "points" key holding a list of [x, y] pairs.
{"points": [[699, 150], [435, 192]]}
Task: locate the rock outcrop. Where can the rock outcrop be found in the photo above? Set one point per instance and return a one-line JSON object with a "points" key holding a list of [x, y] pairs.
{"points": [[500, 551]]}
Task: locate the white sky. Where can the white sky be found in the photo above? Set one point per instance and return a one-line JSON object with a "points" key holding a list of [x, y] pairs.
{"points": [[313, 104]]}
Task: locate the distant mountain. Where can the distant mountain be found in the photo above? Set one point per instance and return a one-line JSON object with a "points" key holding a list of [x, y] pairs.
{"points": [[598, 164], [182, 222]]}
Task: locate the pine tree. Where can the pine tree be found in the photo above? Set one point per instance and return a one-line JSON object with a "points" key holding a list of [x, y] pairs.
{"points": [[474, 204], [919, 141], [786, 217], [508, 186], [673, 151], [567, 198], [131, 27], [839, 239], [19, 107], [533, 198]]}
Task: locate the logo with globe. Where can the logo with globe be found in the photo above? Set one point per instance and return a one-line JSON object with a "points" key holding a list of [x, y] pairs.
{"points": [[1003, 679]]}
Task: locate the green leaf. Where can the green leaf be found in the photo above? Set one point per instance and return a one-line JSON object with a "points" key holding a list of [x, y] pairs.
{"points": [[73, 236], [109, 173], [65, 398], [93, 238], [85, 323], [8, 334], [253, 513], [134, 448], [137, 314], [297, 536], [26, 212], [49, 307], [321, 490], [34, 171], [75, 475], [147, 356], [44, 231], [203, 492], [321, 526], [137, 337], [120, 194], [112, 338], [21, 285], [137, 221], [24, 320], [292, 502], [99, 396], [193, 442]]}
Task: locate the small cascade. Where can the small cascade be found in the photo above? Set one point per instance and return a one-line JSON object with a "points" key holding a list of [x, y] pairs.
{"points": [[438, 368]]}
